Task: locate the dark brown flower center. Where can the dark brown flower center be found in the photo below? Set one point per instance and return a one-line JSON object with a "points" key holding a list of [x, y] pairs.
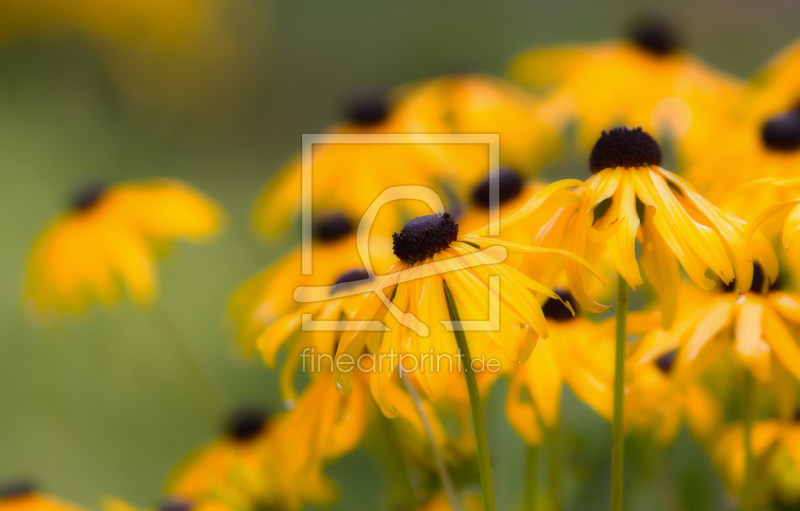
{"points": [[758, 281], [368, 107], [509, 185], [624, 147], [425, 236], [554, 310], [87, 195], [656, 35], [332, 227], [782, 132], [666, 361], [349, 278], [246, 424], [175, 503], [17, 488]]}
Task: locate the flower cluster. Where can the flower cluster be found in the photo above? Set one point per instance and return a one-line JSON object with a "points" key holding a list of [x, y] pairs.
{"points": [[433, 267]]}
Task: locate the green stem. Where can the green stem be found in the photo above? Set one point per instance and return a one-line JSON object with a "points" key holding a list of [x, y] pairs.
{"points": [[484, 465], [207, 393], [554, 464], [532, 483], [617, 426], [398, 470], [748, 416]]}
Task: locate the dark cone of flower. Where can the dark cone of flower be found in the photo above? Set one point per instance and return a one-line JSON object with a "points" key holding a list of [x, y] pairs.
{"points": [[758, 281], [657, 35], [17, 488], [624, 147], [350, 277], [554, 310], [666, 361], [782, 132], [175, 503], [246, 424], [424, 236], [368, 107], [87, 195], [332, 227], [509, 184]]}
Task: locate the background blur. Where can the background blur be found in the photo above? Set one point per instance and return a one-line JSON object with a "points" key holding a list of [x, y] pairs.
{"points": [[218, 94]]}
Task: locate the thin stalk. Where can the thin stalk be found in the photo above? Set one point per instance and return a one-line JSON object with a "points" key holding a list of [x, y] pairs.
{"points": [[206, 392], [532, 476], [398, 470], [617, 426], [748, 416], [554, 464], [484, 464], [444, 475]]}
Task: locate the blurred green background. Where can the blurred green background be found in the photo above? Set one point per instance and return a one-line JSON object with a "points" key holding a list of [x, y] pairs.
{"points": [[98, 406]]}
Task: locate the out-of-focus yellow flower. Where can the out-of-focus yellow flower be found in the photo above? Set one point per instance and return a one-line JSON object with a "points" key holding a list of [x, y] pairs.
{"points": [[23, 496], [750, 157], [572, 354], [477, 103], [659, 400], [646, 81], [264, 298], [350, 176], [757, 327], [432, 254], [776, 453], [774, 89], [234, 470], [629, 197], [109, 240]]}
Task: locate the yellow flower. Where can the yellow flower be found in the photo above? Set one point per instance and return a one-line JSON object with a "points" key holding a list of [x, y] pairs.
{"points": [[756, 326], [445, 107], [234, 469], [269, 295], [572, 354], [322, 415], [432, 254], [750, 157], [775, 88], [776, 457], [111, 237], [439, 502], [659, 399], [23, 496], [630, 197], [477, 103], [646, 81]]}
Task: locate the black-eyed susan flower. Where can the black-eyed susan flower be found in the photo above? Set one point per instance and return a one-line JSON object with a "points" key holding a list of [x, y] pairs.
{"points": [[775, 88], [751, 156], [233, 470], [757, 326], [480, 103], [431, 120], [431, 254], [22, 495], [647, 80], [108, 241], [270, 294], [573, 354], [775, 453], [439, 273], [327, 422], [631, 197]]}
